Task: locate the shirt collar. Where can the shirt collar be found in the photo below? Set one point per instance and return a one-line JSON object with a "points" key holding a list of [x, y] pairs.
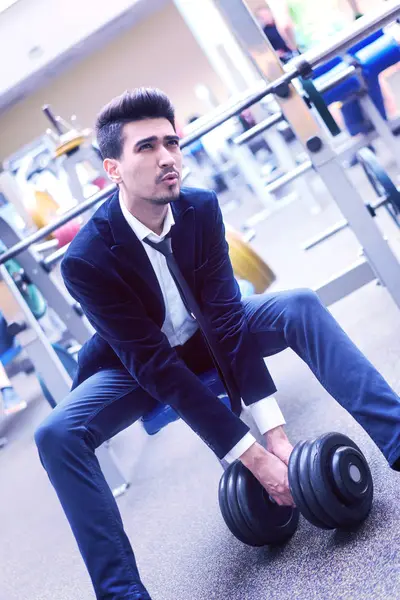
{"points": [[141, 230]]}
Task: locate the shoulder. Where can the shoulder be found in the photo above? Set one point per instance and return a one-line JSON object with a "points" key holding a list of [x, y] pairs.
{"points": [[90, 241], [200, 199]]}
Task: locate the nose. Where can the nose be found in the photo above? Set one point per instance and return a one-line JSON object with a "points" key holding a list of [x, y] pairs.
{"points": [[165, 158]]}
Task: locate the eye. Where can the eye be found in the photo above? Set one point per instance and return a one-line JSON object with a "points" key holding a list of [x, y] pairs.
{"points": [[145, 146], [173, 143]]}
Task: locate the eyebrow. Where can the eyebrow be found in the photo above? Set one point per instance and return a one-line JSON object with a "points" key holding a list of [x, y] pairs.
{"points": [[154, 138]]}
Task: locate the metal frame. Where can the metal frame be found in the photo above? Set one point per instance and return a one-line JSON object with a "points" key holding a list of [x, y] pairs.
{"points": [[69, 163], [307, 129], [44, 232], [285, 155], [346, 282], [381, 128], [340, 44], [57, 297], [39, 349], [12, 192], [337, 227]]}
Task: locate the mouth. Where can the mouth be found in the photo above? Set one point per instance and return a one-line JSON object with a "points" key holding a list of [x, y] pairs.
{"points": [[171, 178]]}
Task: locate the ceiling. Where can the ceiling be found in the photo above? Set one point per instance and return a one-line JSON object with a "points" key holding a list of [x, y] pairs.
{"points": [[138, 12]]}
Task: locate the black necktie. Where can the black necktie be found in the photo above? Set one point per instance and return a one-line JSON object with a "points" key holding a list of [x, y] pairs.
{"points": [[191, 304], [165, 248]]}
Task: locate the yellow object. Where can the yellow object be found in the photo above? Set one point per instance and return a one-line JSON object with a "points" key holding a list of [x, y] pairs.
{"points": [[69, 145], [46, 209], [246, 263]]}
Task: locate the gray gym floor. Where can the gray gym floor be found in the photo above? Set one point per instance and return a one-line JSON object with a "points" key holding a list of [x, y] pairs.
{"points": [[183, 548]]}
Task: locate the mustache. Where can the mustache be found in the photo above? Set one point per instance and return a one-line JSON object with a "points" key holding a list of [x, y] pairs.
{"points": [[166, 172]]}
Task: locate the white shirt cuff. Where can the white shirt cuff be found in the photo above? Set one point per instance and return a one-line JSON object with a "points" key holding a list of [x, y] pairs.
{"points": [[244, 444], [266, 414]]}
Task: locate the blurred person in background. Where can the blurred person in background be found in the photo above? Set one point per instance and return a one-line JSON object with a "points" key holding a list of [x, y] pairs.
{"points": [[284, 49], [304, 24]]}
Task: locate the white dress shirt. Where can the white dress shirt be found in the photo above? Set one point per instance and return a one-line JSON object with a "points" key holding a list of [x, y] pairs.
{"points": [[179, 325]]}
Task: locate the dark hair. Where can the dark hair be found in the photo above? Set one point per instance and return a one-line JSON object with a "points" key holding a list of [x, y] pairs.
{"points": [[135, 105]]}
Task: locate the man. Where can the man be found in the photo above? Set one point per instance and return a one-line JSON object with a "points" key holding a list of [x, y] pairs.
{"points": [[266, 20], [304, 24], [148, 347]]}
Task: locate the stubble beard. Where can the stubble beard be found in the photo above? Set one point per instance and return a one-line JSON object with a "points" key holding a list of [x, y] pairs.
{"points": [[162, 200]]}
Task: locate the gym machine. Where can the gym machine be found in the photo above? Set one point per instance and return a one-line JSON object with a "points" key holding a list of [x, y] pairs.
{"points": [[73, 147], [344, 150], [387, 192], [379, 261], [353, 81], [53, 364]]}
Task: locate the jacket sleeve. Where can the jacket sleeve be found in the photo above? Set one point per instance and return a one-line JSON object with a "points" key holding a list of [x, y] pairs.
{"points": [[221, 304], [119, 317]]}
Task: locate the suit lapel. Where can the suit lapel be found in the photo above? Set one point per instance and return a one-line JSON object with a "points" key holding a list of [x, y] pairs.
{"points": [[183, 237], [130, 251]]}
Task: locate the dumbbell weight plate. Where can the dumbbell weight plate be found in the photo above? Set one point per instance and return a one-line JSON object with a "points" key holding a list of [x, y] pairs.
{"points": [[247, 264], [252, 537], [271, 523], [298, 479], [308, 485], [341, 479], [379, 178], [225, 507]]}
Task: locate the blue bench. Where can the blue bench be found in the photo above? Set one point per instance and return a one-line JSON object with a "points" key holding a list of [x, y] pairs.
{"points": [[9, 347], [374, 54]]}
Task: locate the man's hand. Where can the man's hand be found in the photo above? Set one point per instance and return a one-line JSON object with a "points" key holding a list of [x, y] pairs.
{"points": [[277, 443], [270, 471]]}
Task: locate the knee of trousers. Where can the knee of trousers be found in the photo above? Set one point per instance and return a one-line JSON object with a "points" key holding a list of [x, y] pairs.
{"points": [[54, 438], [303, 299]]}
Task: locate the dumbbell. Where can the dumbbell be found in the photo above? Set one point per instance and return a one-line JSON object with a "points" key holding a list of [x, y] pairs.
{"points": [[329, 479]]}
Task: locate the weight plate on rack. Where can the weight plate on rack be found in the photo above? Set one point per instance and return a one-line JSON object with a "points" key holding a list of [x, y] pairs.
{"points": [[379, 178]]}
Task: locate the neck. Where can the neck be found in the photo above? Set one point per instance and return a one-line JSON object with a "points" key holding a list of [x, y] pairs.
{"points": [[151, 215]]}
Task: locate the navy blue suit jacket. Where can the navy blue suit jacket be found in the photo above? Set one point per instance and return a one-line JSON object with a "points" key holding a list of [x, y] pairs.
{"points": [[107, 270]]}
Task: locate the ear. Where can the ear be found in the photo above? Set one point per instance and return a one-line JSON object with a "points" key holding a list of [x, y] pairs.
{"points": [[111, 166]]}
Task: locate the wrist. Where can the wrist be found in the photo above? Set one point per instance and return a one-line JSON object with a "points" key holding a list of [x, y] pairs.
{"points": [[253, 455], [275, 434]]}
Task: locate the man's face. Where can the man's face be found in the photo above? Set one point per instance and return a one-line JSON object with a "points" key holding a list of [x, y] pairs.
{"points": [[150, 166]]}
